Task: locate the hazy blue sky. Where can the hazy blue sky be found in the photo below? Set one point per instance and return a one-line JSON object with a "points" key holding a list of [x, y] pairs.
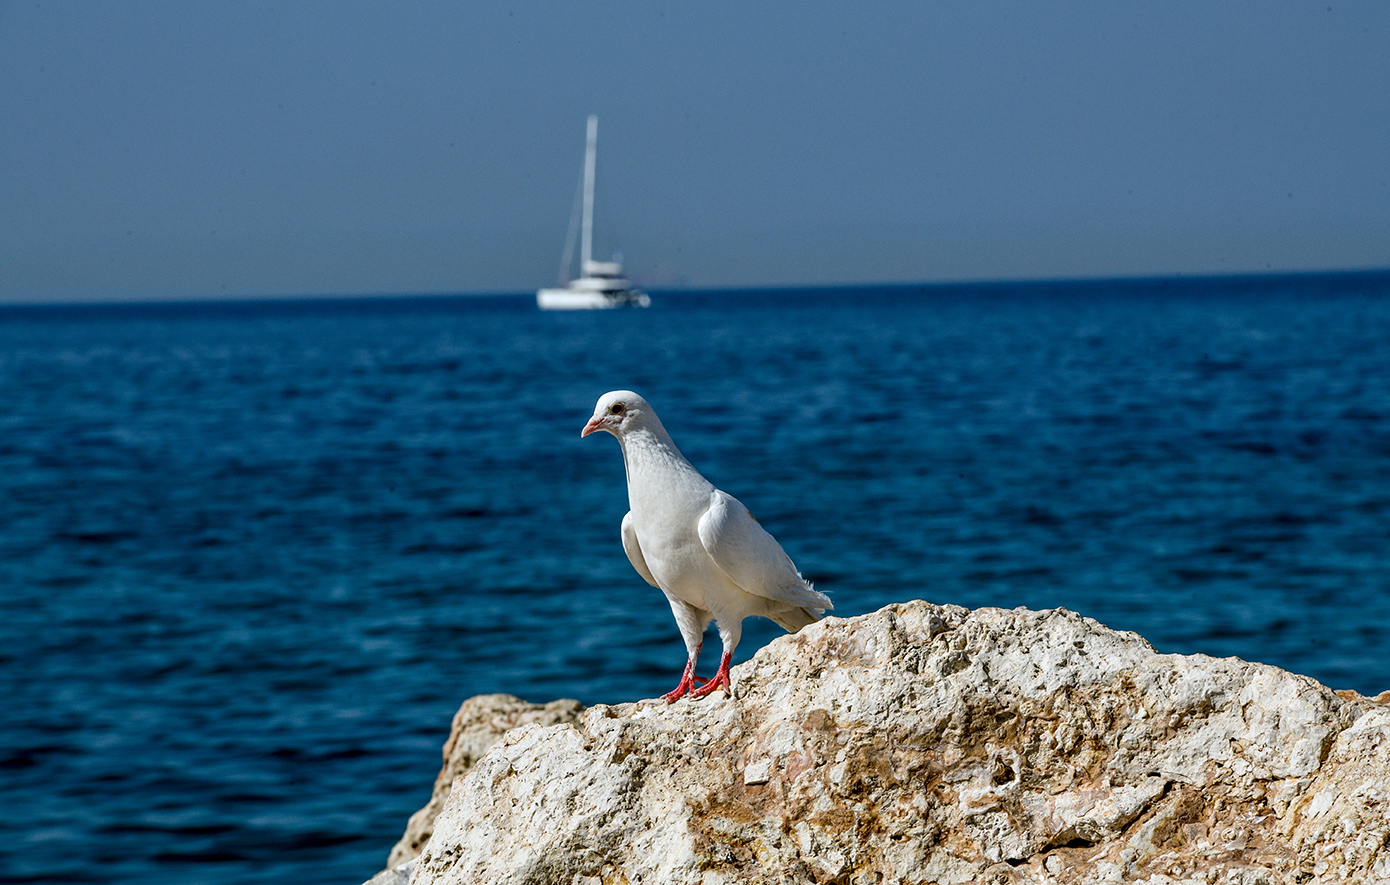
{"points": [[172, 150]]}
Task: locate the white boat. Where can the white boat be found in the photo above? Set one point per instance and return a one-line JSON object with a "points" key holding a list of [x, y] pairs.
{"points": [[601, 284]]}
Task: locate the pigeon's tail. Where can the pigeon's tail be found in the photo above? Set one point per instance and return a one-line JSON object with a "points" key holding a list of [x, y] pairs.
{"points": [[794, 619]]}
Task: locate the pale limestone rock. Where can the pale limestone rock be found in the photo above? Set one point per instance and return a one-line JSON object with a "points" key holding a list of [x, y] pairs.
{"points": [[397, 875], [477, 725], [924, 743]]}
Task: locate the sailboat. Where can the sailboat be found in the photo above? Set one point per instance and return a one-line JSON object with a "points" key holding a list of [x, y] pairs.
{"points": [[601, 284]]}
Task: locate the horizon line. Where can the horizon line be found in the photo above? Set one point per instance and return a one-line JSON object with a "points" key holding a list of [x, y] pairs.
{"points": [[680, 291]]}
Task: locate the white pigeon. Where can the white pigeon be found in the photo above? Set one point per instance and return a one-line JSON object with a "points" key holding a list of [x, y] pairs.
{"points": [[697, 544]]}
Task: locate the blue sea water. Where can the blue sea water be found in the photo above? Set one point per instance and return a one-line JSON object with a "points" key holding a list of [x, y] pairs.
{"points": [[253, 556]]}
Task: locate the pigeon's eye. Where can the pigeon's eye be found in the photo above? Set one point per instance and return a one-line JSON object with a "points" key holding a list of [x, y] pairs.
{"points": [[616, 408]]}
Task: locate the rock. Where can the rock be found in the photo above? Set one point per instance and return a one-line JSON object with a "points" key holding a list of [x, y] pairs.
{"points": [[924, 743], [477, 725], [397, 875]]}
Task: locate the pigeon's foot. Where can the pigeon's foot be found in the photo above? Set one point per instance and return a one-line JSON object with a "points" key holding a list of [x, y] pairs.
{"points": [[688, 680], [720, 680], [679, 691]]}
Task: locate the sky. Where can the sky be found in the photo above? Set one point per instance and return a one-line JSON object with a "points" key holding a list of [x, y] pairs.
{"points": [[166, 151]]}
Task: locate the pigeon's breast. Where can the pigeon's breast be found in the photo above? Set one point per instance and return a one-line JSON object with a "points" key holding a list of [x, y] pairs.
{"points": [[683, 569], [667, 497], [668, 532]]}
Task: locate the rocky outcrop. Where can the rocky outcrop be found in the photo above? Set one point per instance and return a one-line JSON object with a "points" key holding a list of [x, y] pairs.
{"points": [[477, 725], [924, 743]]}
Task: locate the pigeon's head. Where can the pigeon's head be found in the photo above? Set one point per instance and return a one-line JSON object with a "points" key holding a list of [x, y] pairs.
{"points": [[616, 412]]}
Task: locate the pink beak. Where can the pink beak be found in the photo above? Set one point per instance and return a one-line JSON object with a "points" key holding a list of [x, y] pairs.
{"points": [[595, 423]]}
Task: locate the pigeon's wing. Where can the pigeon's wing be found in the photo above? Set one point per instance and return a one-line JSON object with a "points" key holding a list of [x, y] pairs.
{"points": [[752, 558], [634, 552]]}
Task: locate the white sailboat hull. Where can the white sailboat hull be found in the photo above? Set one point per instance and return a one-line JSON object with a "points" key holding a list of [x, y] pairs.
{"points": [[589, 299]]}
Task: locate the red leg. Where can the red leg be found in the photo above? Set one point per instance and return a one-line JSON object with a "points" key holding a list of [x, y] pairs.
{"points": [[720, 679], [688, 680]]}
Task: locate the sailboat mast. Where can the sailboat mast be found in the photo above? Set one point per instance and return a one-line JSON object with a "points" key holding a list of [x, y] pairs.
{"points": [[589, 152]]}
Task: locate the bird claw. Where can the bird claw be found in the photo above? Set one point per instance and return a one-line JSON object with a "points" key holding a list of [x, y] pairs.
{"points": [[720, 680], [688, 687], [689, 681], [711, 686]]}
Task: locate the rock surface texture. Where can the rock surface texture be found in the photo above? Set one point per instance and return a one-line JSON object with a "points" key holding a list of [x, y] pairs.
{"points": [[931, 744], [478, 724]]}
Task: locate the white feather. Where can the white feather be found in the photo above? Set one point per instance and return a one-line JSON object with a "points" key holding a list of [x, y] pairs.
{"points": [[634, 551], [751, 557]]}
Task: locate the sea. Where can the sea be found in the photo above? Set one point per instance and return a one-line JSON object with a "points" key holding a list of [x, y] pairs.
{"points": [[253, 555]]}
